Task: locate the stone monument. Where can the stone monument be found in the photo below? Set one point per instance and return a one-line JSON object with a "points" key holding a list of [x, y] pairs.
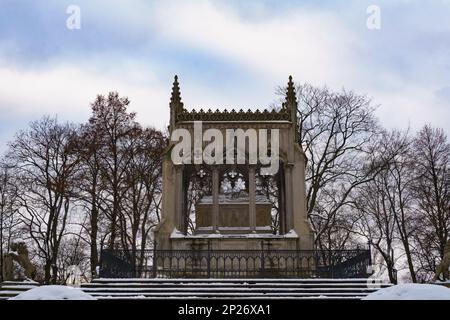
{"points": [[232, 206]]}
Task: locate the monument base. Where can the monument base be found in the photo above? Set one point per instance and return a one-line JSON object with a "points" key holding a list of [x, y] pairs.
{"points": [[234, 241]]}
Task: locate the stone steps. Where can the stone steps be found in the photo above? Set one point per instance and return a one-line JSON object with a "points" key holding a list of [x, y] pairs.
{"points": [[234, 280], [9, 289], [132, 286], [231, 288], [126, 289]]}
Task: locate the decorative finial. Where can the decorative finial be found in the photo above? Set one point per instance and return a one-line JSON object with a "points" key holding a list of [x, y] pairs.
{"points": [[291, 106], [290, 92], [175, 99]]}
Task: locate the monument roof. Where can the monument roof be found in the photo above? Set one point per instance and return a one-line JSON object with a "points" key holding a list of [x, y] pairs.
{"points": [[283, 114]]}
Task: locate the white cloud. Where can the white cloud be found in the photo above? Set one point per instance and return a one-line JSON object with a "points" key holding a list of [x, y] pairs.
{"points": [[67, 90], [316, 46], [308, 44]]}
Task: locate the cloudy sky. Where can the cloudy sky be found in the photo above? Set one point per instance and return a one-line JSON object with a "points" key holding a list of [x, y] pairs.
{"points": [[226, 53]]}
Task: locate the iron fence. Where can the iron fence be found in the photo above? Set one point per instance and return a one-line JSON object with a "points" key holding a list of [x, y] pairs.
{"points": [[264, 263]]}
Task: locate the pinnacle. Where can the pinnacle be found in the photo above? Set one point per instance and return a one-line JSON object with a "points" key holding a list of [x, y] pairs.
{"points": [[290, 92], [176, 95]]}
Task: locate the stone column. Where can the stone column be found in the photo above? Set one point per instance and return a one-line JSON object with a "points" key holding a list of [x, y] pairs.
{"points": [[215, 206], [289, 198], [252, 198], [281, 185], [179, 212]]}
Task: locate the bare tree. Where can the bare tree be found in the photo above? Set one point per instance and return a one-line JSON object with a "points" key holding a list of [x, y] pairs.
{"points": [[73, 260], [114, 124], [91, 189], [43, 169], [431, 152], [335, 130], [384, 204], [398, 186], [376, 219], [9, 222], [141, 202]]}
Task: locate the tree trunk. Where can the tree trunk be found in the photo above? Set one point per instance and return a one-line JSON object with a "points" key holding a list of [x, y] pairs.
{"points": [[93, 239], [391, 273], [47, 271], [1, 245], [410, 262], [54, 272]]}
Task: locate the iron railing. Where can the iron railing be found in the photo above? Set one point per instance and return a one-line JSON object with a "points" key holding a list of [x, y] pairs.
{"points": [[264, 263]]}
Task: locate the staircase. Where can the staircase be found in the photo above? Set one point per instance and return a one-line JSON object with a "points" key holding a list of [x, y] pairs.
{"points": [[104, 288], [9, 289]]}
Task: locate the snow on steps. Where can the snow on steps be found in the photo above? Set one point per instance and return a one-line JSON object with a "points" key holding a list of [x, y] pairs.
{"points": [[231, 288], [216, 288], [10, 289]]}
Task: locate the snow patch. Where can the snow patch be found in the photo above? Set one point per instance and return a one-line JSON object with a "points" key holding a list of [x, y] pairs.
{"points": [[53, 293], [176, 234], [411, 291], [291, 234], [265, 233]]}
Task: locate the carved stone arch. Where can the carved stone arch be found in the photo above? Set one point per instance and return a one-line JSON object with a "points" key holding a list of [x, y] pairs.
{"points": [[197, 183], [273, 188], [240, 172]]}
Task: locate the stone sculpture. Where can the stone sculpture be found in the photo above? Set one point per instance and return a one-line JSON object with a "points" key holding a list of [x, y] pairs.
{"points": [[442, 268], [18, 254]]}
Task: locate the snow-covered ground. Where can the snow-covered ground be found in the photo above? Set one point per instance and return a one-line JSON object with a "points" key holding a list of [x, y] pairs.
{"points": [[53, 293], [411, 291]]}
